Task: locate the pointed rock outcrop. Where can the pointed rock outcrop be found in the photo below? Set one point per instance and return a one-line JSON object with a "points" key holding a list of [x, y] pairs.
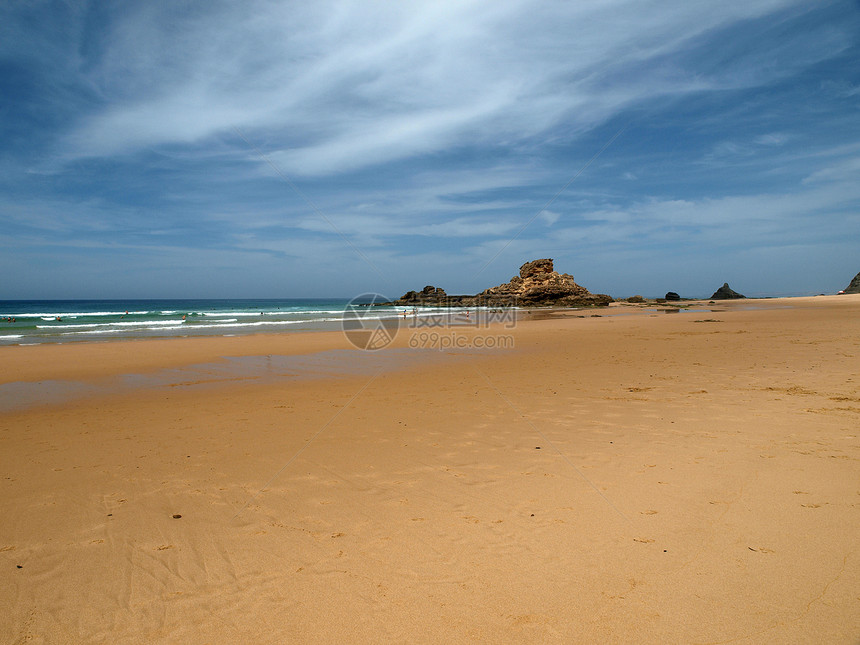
{"points": [[726, 293]]}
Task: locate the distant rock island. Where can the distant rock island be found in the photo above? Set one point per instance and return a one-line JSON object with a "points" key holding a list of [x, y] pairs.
{"points": [[537, 284], [854, 287], [726, 293]]}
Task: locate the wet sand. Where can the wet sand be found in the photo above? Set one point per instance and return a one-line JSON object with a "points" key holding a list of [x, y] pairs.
{"points": [[634, 477]]}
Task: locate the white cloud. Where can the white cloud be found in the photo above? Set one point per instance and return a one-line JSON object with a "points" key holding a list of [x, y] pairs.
{"points": [[771, 139], [549, 217], [459, 119], [335, 86], [388, 139], [739, 220], [847, 170]]}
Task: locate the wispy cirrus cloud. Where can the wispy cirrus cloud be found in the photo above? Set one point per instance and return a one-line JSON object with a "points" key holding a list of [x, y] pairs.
{"points": [[427, 134], [352, 84]]}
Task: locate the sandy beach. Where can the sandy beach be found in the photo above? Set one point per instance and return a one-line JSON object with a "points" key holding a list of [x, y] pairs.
{"points": [[618, 475]]}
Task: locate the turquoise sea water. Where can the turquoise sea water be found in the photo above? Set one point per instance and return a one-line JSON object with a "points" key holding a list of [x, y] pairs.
{"points": [[28, 322], [25, 322]]}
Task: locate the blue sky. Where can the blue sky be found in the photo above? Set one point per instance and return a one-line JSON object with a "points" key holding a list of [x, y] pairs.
{"points": [[294, 149]]}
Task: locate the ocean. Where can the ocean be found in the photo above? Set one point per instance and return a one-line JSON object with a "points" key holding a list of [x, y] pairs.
{"points": [[29, 322]]}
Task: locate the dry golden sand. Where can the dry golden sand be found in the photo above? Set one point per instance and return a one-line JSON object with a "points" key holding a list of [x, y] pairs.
{"points": [[628, 478]]}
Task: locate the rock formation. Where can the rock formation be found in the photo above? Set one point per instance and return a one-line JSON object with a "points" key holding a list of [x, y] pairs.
{"points": [[671, 295], [854, 287], [429, 295], [726, 293], [537, 284]]}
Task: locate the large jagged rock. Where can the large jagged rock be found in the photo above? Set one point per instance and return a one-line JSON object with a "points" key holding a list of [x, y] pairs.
{"points": [[854, 287], [536, 269], [537, 284], [726, 293], [429, 295]]}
